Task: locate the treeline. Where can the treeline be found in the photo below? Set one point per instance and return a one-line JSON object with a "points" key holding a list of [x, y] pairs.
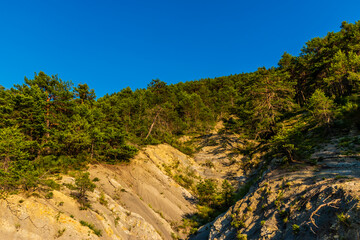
{"points": [[47, 125]]}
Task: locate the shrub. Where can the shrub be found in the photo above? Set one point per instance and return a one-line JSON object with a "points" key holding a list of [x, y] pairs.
{"points": [[344, 219], [296, 229], [102, 199], [92, 227], [60, 233], [51, 184], [49, 195], [242, 236], [83, 184]]}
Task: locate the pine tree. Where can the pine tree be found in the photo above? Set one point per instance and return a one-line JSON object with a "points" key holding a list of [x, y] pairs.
{"points": [[321, 107], [13, 146]]}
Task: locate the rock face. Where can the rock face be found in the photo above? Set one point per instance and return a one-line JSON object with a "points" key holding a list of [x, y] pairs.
{"points": [[299, 202], [37, 218], [217, 160], [134, 201]]}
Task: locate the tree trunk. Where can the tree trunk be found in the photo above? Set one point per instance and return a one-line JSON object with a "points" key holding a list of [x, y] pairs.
{"points": [[6, 163], [47, 134], [92, 151], [153, 123]]}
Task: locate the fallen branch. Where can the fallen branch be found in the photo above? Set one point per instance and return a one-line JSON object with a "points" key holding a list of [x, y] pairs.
{"points": [[330, 204]]}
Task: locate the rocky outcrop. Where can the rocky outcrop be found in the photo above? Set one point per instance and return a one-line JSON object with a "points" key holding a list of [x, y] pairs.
{"points": [[299, 201]]}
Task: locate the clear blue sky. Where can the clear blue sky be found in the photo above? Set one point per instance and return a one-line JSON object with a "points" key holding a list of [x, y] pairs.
{"points": [[112, 44]]}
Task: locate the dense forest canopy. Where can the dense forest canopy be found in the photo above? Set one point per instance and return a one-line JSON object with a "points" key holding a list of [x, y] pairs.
{"points": [[49, 125]]}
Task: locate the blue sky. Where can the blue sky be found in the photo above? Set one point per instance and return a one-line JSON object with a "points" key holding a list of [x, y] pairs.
{"points": [[112, 44]]}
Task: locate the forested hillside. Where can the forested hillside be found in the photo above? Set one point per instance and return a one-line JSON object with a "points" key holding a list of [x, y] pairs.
{"points": [[48, 125]]}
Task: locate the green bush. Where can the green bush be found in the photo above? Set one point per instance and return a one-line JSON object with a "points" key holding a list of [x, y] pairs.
{"points": [[296, 229], [92, 227], [241, 236]]}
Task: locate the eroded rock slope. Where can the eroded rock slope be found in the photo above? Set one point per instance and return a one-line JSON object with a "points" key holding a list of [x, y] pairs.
{"points": [[134, 201], [299, 201]]}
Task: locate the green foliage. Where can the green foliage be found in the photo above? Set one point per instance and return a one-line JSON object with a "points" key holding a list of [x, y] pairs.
{"points": [[206, 191], [287, 142], [267, 95], [84, 93], [343, 219], [321, 107], [241, 236], [183, 180], [227, 193], [13, 147], [102, 199], [47, 128], [296, 229], [238, 224], [51, 184], [92, 227], [49, 195], [350, 145], [83, 184], [174, 236], [212, 202], [205, 213]]}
